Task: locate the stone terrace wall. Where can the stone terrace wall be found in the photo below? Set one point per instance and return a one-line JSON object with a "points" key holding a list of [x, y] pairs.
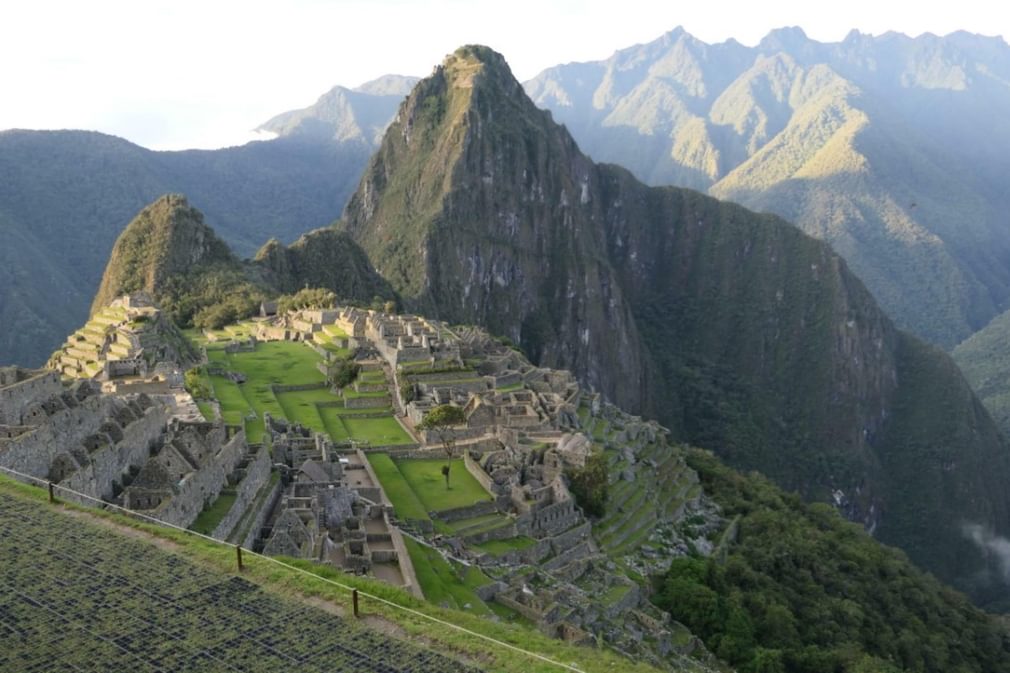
{"points": [[65, 430], [109, 463], [257, 474], [261, 516], [18, 397], [203, 485]]}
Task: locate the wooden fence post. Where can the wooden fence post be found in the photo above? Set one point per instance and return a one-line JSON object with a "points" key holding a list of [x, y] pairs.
{"points": [[52, 494], [238, 556], [354, 601]]}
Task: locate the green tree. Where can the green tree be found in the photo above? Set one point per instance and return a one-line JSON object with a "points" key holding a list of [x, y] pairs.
{"points": [[310, 297], [442, 420], [589, 484], [195, 385]]}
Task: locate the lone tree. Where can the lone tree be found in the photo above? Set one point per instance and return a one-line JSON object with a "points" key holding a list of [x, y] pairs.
{"points": [[441, 420]]}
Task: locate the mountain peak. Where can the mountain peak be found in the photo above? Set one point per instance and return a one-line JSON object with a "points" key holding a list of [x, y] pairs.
{"points": [[167, 238], [784, 39]]}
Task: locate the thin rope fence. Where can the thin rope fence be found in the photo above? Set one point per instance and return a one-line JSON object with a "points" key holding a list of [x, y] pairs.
{"points": [[346, 587]]}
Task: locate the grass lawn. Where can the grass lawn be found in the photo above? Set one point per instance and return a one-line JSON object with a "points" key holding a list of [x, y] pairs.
{"points": [[334, 331], [272, 363], [383, 431], [499, 547], [373, 376], [278, 362], [301, 406], [425, 478], [332, 421], [211, 516], [399, 492], [441, 583], [234, 406], [206, 409]]}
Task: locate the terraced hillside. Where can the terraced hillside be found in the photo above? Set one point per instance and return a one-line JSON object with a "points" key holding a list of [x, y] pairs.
{"points": [[93, 600], [650, 486], [284, 379], [120, 333]]}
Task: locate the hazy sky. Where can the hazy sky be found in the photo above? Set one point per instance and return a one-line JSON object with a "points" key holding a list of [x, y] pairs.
{"points": [[181, 73]]}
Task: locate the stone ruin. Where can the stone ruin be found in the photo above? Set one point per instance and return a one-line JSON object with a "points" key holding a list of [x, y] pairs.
{"points": [[332, 509], [122, 344], [186, 471]]}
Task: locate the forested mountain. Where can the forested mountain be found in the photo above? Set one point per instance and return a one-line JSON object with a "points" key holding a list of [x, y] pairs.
{"points": [[735, 329], [890, 148], [171, 253], [66, 195]]}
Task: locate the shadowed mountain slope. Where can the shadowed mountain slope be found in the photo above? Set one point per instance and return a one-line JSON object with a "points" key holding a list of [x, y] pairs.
{"points": [[889, 148]]}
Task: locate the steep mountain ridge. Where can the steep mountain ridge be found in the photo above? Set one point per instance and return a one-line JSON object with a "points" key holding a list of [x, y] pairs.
{"points": [[358, 116], [886, 147], [66, 195], [167, 239], [735, 329], [985, 360], [170, 253]]}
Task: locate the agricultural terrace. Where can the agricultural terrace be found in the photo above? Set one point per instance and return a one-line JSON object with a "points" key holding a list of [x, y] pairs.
{"points": [[416, 488], [76, 596], [287, 363]]}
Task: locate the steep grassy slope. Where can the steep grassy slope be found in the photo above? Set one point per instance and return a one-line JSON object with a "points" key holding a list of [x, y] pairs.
{"points": [[885, 147], [735, 329], [66, 195]]}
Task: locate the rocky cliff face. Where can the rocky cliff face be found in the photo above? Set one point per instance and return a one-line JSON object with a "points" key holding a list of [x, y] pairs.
{"points": [[882, 146], [737, 330], [477, 209], [166, 239]]}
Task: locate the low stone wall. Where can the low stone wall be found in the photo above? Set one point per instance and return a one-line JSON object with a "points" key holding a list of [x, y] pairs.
{"points": [[489, 591], [408, 451], [626, 602], [475, 386], [321, 352], [503, 533], [367, 402], [570, 538], [257, 474], [440, 377], [469, 512], [508, 379], [458, 434], [578, 551], [297, 388], [478, 473]]}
